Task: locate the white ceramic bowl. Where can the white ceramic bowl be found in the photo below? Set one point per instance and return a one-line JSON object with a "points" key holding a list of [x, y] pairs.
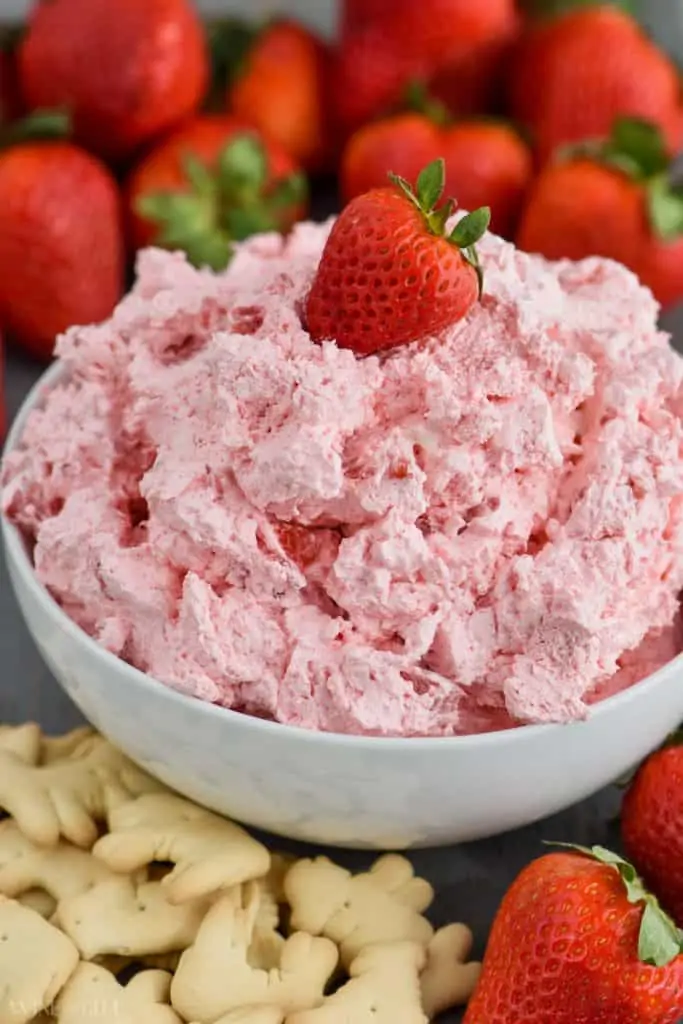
{"points": [[340, 790]]}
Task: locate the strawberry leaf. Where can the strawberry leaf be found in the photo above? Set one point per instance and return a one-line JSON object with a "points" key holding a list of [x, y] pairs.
{"points": [[552, 8], [430, 184], [243, 222], [417, 98], [643, 142], [468, 231], [659, 940], [289, 192], [405, 187], [40, 125], [665, 208], [635, 147], [199, 176], [243, 166]]}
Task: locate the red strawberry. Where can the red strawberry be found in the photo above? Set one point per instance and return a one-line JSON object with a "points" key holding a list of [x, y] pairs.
{"points": [[617, 202], [405, 144], [455, 43], [581, 208], [213, 182], [575, 74], [578, 940], [127, 70], [652, 825], [487, 162], [61, 243], [281, 89], [390, 273], [357, 13]]}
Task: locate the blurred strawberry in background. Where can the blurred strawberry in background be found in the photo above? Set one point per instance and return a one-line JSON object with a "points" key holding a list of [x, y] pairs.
{"points": [[487, 161], [213, 182], [617, 199], [356, 13], [573, 74], [281, 87], [403, 144], [127, 70], [456, 47], [61, 242]]}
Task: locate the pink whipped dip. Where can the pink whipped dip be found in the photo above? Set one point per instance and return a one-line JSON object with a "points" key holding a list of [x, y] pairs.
{"points": [[471, 533]]}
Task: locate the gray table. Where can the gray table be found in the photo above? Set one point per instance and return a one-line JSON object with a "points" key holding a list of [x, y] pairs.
{"points": [[470, 880]]}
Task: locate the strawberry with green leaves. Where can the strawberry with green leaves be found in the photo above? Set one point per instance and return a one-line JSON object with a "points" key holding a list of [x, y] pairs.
{"points": [[652, 824], [392, 271], [579, 940], [574, 74], [213, 183], [617, 199]]}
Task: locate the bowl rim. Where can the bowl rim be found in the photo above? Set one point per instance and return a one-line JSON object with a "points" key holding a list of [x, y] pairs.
{"points": [[15, 550]]}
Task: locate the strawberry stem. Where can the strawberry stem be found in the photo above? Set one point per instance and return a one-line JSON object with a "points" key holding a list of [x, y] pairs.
{"points": [[419, 99], [659, 940], [427, 195]]}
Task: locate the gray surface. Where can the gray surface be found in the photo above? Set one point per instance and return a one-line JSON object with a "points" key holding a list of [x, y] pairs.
{"points": [[470, 880]]}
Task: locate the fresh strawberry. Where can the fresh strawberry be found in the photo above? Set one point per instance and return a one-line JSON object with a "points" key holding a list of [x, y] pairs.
{"points": [[391, 272], [487, 162], [127, 70], [614, 200], [652, 825], [573, 75], [357, 13], [579, 940], [212, 183], [404, 144], [61, 242], [455, 44], [282, 89], [581, 208]]}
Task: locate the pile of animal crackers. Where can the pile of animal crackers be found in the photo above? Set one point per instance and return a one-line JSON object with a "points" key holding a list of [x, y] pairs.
{"points": [[121, 901]]}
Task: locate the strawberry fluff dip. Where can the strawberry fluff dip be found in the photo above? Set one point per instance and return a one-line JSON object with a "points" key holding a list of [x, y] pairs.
{"points": [[470, 533]]}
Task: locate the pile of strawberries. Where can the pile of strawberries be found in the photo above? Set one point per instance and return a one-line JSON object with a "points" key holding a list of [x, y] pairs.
{"points": [[126, 123]]}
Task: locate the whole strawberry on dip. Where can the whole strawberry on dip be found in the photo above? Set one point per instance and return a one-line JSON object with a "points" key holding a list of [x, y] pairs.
{"points": [[453, 511]]}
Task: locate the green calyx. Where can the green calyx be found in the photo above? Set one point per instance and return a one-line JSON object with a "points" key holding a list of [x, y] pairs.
{"points": [[553, 8], [637, 149], [39, 126], [418, 99], [659, 940], [427, 196], [224, 204]]}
